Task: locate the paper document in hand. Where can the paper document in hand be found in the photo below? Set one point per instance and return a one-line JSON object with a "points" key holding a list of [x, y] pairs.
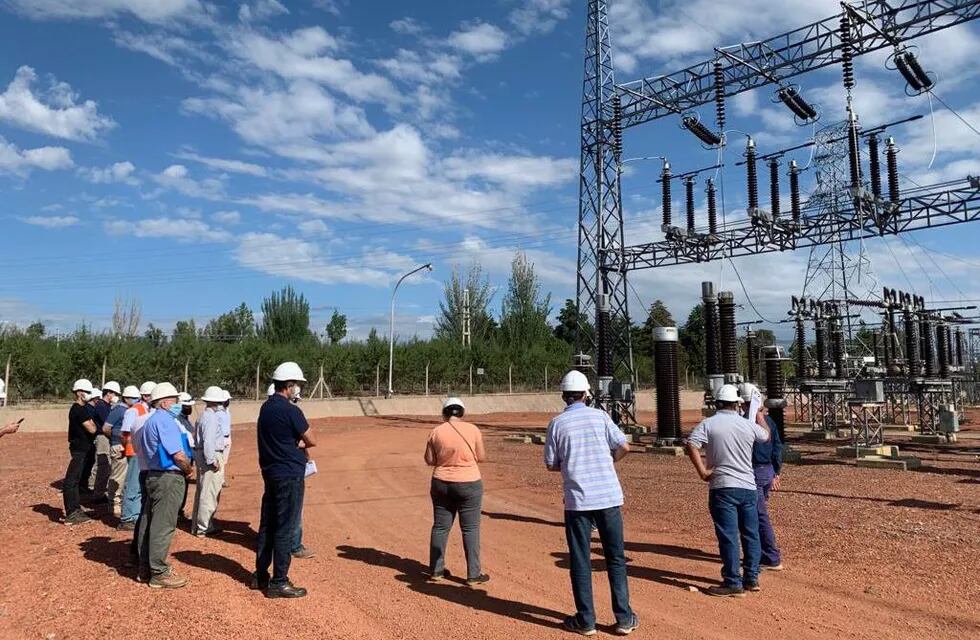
{"points": [[310, 468]]}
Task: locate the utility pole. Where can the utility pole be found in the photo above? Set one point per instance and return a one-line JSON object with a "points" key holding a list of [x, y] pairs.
{"points": [[467, 340], [391, 326]]}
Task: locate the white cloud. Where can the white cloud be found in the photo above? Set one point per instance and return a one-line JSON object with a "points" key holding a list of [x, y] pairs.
{"points": [[429, 67], [305, 55], [225, 164], [479, 39], [228, 217], [20, 162], [260, 10], [313, 228], [116, 172], [538, 16], [178, 178], [164, 46], [513, 172], [182, 230], [407, 26], [54, 112], [147, 10], [52, 222]]}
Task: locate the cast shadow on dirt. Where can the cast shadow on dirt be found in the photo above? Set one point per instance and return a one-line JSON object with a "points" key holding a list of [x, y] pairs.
{"points": [[669, 578], [414, 574], [913, 503], [686, 553], [234, 532], [51, 512], [216, 563], [109, 552]]}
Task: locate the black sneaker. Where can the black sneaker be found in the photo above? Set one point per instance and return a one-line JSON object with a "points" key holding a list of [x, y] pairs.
{"points": [[628, 628], [749, 585], [285, 591], [439, 577], [77, 517], [259, 583], [303, 553], [480, 579], [725, 591], [572, 624]]}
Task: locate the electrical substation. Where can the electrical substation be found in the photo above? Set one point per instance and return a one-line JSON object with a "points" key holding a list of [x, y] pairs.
{"points": [[864, 355]]}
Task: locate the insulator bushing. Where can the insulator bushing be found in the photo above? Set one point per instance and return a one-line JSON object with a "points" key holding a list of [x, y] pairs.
{"points": [[794, 190], [719, 75], [820, 348], [950, 347], [703, 133], [750, 355], [942, 350], [727, 333], [667, 381], [928, 337], [874, 346], [960, 348], [689, 201], [891, 160], [886, 342], [665, 178], [837, 348], [604, 343], [775, 388], [800, 348], [712, 351], [892, 337], [847, 51], [853, 153], [874, 166], [774, 187], [751, 177], [913, 358], [617, 127], [712, 208]]}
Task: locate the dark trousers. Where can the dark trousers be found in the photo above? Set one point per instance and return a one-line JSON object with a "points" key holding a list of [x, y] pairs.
{"points": [[137, 548], [282, 504], [165, 490], [449, 499], [73, 477], [578, 533], [87, 470], [736, 519], [767, 536]]}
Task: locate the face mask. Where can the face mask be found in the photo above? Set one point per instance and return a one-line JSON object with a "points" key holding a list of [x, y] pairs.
{"points": [[296, 391], [174, 409]]}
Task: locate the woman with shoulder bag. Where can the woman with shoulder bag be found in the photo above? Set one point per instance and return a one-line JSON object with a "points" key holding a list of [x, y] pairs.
{"points": [[454, 448]]}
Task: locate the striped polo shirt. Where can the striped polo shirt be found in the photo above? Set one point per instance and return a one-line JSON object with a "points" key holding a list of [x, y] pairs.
{"points": [[581, 440]]}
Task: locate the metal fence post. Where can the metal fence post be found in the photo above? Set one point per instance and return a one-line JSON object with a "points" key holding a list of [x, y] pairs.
{"points": [[377, 381], [471, 379], [546, 378], [426, 378], [510, 379], [258, 370]]}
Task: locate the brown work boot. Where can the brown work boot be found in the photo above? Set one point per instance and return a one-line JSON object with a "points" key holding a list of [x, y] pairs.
{"points": [[167, 581]]}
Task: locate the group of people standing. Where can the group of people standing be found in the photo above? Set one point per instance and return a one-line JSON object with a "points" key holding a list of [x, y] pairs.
{"points": [[583, 444]]}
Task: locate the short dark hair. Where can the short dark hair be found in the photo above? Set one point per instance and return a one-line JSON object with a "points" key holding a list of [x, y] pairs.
{"points": [[720, 404], [453, 411], [573, 396], [280, 385]]}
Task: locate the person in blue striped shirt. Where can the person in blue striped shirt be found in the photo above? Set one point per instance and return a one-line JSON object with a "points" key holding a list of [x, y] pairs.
{"points": [[583, 444]]}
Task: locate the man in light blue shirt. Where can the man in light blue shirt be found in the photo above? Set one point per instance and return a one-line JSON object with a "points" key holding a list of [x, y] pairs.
{"points": [[209, 456], [583, 444]]}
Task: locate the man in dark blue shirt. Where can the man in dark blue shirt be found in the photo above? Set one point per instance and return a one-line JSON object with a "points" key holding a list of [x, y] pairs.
{"points": [[767, 462], [280, 430]]}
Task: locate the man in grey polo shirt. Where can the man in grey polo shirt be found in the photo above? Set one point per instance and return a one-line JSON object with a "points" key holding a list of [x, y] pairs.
{"points": [[728, 439]]}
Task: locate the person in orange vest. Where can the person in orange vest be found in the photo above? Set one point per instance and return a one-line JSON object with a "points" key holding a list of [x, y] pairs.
{"points": [[133, 420]]}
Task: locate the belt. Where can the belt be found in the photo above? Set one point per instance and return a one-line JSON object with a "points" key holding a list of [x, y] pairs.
{"points": [[166, 471]]}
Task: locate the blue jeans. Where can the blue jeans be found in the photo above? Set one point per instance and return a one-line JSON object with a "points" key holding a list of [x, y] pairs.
{"points": [[282, 506], [767, 536], [735, 516], [578, 533], [132, 496]]}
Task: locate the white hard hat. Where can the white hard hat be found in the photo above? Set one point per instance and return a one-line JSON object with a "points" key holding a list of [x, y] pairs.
{"points": [[728, 393], [453, 402], [82, 384], [94, 394], [131, 392], [213, 394], [226, 395], [164, 390], [3, 389], [271, 390], [288, 371], [146, 388], [185, 399], [747, 389], [575, 381], [112, 386]]}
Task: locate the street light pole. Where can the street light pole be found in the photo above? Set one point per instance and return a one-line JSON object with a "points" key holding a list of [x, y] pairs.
{"points": [[391, 327]]}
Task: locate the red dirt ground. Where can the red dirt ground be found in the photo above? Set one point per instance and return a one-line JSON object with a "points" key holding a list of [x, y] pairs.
{"points": [[869, 554]]}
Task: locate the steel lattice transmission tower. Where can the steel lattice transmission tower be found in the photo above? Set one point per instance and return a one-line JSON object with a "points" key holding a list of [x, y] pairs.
{"points": [[601, 294], [841, 269]]}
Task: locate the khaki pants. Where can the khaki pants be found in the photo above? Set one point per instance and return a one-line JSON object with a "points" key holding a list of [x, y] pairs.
{"points": [[99, 478], [117, 478], [208, 492]]}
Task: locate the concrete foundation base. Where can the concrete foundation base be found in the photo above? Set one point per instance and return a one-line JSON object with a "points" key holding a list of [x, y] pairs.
{"points": [[791, 455], [895, 464], [851, 451], [933, 438], [537, 439], [635, 429], [518, 439], [666, 450], [821, 435]]}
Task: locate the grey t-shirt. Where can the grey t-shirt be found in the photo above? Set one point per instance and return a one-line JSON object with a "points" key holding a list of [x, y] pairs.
{"points": [[728, 439]]}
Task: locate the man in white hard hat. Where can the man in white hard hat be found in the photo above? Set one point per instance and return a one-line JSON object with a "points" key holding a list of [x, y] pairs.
{"points": [[767, 463], [583, 444], [281, 428], [118, 460], [209, 451], [85, 489], [187, 431], [132, 503], [81, 439], [728, 439], [98, 477], [168, 459]]}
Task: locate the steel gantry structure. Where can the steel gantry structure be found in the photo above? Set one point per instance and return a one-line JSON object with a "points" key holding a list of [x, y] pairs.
{"points": [[603, 335]]}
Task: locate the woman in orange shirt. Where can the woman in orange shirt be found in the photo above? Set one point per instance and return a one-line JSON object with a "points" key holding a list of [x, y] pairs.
{"points": [[454, 448]]}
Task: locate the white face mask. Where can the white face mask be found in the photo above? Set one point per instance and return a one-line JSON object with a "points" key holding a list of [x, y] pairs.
{"points": [[296, 391]]}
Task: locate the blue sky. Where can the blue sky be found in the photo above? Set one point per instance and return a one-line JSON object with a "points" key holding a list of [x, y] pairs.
{"points": [[197, 154]]}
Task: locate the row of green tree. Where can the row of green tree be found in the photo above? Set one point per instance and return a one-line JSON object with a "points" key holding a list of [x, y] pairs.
{"points": [[516, 349]]}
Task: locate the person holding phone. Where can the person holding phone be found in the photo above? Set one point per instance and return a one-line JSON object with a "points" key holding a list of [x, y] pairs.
{"points": [[10, 427], [453, 450]]}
